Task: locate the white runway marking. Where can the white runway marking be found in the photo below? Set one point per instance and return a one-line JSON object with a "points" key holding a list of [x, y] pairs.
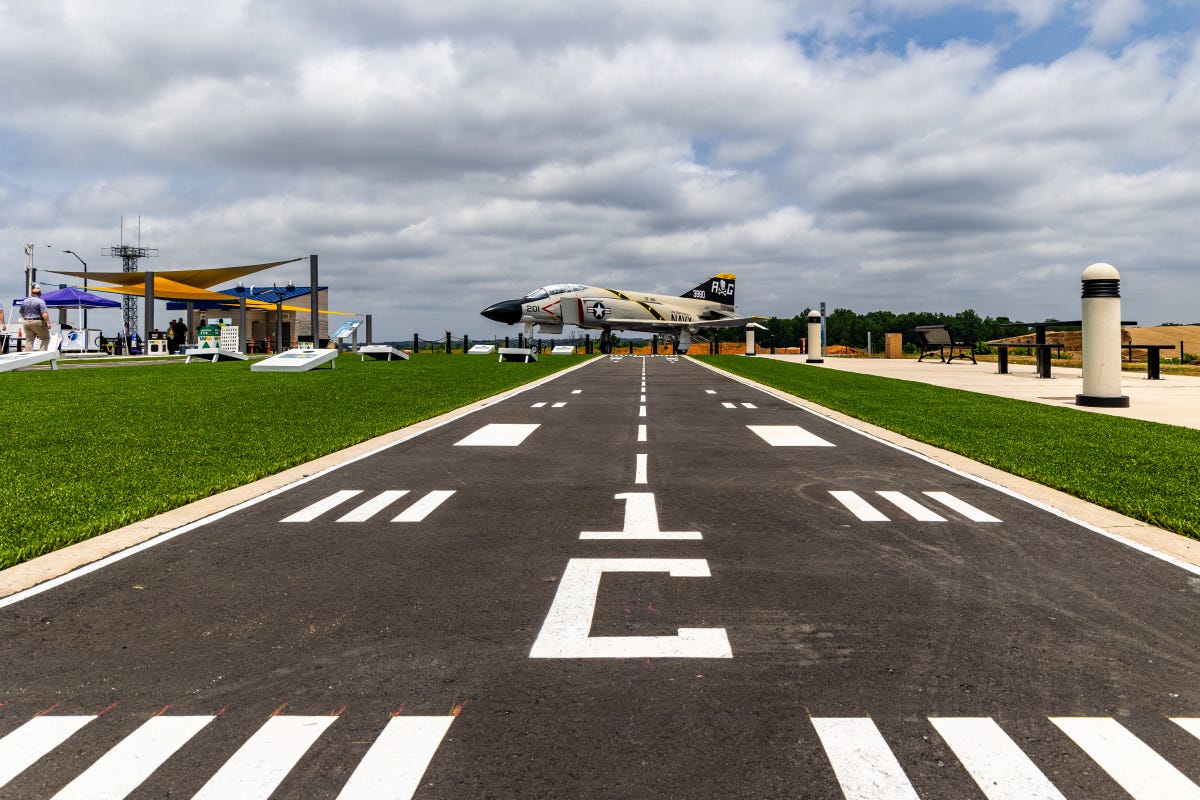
{"points": [[373, 506], [641, 521], [862, 761], [1139, 770], [961, 506], [911, 507], [538, 405], [28, 743], [261, 764], [642, 411], [788, 436], [749, 405], [643, 399], [640, 472], [729, 405], [641, 433], [1000, 769], [425, 506], [566, 630], [126, 766], [859, 507], [558, 405], [318, 508], [577, 391], [709, 391], [393, 767], [498, 435]]}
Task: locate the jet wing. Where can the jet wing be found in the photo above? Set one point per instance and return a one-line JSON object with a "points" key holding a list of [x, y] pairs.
{"points": [[726, 322]]}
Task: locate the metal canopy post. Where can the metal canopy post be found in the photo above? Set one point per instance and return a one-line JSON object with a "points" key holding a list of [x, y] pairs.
{"points": [[314, 303], [149, 312]]}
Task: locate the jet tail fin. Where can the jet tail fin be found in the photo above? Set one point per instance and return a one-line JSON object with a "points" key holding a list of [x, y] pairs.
{"points": [[717, 289]]}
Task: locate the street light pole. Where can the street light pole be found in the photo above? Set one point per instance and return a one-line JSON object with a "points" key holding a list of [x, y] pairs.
{"points": [[81, 261]]}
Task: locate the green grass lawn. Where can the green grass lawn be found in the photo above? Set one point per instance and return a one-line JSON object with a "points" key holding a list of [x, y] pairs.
{"points": [[92, 449], [1141, 469]]}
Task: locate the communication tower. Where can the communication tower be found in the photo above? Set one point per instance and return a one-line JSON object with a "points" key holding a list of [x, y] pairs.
{"points": [[129, 255]]}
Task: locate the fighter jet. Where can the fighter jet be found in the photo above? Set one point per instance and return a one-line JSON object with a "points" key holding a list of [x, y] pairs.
{"points": [[709, 305]]}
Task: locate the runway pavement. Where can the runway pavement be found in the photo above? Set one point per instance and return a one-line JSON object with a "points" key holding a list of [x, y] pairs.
{"points": [[639, 579]]}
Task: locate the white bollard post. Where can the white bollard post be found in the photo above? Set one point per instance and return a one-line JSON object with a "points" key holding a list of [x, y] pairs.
{"points": [[1102, 338], [814, 338]]}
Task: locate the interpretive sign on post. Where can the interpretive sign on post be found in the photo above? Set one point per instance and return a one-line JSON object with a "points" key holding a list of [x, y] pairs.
{"points": [[524, 354], [212, 355], [482, 350], [298, 360]]}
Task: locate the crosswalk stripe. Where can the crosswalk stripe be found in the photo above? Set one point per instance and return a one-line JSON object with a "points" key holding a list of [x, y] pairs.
{"points": [[864, 765], [859, 507], [424, 507], [127, 765], [788, 436], [21, 748], [373, 506], [998, 765], [318, 508], [961, 506], [1128, 760], [261, 764], [911, 507], [393, 767]]}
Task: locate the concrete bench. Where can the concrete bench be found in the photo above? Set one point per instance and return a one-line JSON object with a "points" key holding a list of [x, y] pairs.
{"points": [[937, 338]]}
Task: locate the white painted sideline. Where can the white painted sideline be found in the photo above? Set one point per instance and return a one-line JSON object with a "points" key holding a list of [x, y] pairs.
{"points": [[54, 569]]}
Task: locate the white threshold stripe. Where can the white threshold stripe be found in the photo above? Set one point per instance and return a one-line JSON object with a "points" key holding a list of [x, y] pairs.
{"points": [[498, 434], [911, 507], [729, 405], [28, 743], [641, 433], [558, 405], [373, 506], [864, 765], [1140, 771], [577, 391], [393, 767], [261, 764], [425, 506], [961, 506], [321, 506], [859, 507], [749, 405], [640, 474], [1000, 768], [127, 765], [538, 405]]}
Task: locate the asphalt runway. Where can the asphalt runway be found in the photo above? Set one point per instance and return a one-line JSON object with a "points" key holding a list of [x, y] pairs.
{"points": [[642, 579]]}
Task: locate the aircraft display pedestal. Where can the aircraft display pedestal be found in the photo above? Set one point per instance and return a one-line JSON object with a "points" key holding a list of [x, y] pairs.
{"points": [[381, 352], [298, 360]]}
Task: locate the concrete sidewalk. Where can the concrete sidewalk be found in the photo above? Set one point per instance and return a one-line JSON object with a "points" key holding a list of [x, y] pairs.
{"points": [[1173, 400]]}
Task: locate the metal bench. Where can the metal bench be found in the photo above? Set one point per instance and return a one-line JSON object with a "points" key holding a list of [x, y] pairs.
{"points": [[1152, 358], [936, 338], [1042, 350]]}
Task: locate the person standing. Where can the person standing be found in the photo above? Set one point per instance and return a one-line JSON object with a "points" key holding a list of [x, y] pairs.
{"points": [[35, 318], [181, 334]]}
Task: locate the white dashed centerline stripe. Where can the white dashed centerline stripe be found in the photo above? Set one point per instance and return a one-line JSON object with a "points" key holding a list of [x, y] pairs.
{"points": [[640, 474], [859, 507], [999, 767], [28, 743], [373, 506], [321, 506], [641, 433], [961, 506], [498, 434], [911, 507], [864, 765], [127, 765], [642, 411], [577, 391], [425, 506], [1127, 759], [393, 767], [261, 764], [709, 391]]}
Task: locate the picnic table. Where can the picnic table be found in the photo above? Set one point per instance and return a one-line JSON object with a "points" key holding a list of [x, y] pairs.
{"points": [[1039, 341]]}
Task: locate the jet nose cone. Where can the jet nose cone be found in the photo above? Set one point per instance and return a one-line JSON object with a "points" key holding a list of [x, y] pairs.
{"points": [[505, 311]]}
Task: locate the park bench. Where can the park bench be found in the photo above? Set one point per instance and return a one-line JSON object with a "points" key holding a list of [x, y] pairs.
{"points": [[936, 338], [1041, 349]]}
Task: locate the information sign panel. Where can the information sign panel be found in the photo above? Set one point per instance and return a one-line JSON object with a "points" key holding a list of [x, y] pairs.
{"points": [[382, 352], [298, 360]]}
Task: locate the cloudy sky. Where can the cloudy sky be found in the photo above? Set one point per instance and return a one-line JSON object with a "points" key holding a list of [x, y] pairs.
{"points": [[439, 156]]}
